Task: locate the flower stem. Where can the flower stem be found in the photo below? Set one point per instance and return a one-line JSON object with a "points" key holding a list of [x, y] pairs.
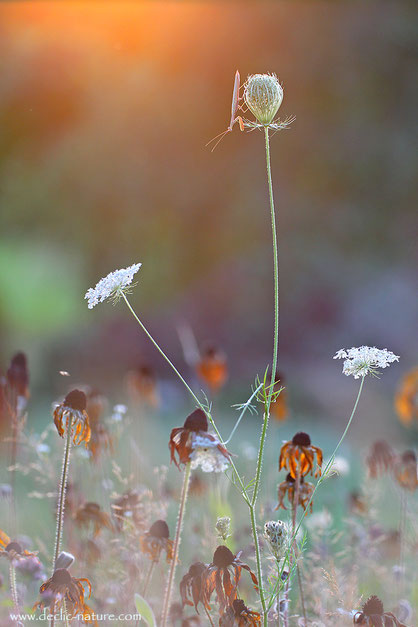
{"points": [[273, 378], [189, 389], [14, 418], [209, 616], [275, 268], [13, 588], [177, 540], [61, 496], [302, 598], [160, 350], [294, 554], [402, 533], [323, 476], [148, 579], [61, 501]]}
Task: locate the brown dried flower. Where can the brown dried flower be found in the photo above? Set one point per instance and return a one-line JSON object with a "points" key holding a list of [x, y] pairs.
{"points": [[72, 411], [157, 540], [299, 454]]}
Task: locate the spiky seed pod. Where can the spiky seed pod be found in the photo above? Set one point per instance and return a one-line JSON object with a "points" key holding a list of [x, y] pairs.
{"points": [[263, 95]]}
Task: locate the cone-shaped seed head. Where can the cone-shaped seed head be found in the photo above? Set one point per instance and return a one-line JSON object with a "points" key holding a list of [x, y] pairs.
{"points": [[197, 421], [223, 557], [159, 529], [76, 399], [373, 606]]}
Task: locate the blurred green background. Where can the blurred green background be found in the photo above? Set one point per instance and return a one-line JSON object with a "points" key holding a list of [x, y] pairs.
{"points": [[105, 110]]}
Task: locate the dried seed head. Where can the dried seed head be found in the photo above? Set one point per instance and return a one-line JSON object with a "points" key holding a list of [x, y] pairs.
{"points": [[14, 546], [223, 557], [373, 606], [197, 421], [301, 439], [409, 456], [196, 569], [223, 527], [276, 533], [239, 607], [159, 529], [263, 95], [92, 508], [76, 399], [61, 577]]}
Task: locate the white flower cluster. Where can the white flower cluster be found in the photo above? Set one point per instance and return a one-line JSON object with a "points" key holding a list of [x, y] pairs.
{"points": [[112, 285], [119, 412], [207, 455], [365, 360]]}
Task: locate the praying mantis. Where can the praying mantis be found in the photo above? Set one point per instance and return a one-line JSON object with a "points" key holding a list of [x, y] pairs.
{"points": [[236, 98]]}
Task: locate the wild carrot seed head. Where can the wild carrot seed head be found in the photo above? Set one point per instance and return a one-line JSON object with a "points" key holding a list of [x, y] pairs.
{"points": [[263, 95]]}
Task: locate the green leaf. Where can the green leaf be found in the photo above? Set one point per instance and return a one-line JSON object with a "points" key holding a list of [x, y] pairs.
{"points": [[144, 609]]}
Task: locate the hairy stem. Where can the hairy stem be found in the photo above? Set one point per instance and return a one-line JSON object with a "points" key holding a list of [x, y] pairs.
{"points": [[278, 594], [275, 268], [61, 496], [177, 540], [61, 500], [273, 377], [295, 507], [13, 588], [14, 418]]}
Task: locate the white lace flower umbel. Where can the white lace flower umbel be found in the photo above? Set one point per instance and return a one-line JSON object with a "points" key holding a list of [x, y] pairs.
{"points": [[207, 454], [365, 360], [112, 286]]}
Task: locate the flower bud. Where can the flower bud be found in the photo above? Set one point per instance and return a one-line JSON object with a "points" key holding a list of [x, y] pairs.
{"points": [[223, 527], [263, 95]]}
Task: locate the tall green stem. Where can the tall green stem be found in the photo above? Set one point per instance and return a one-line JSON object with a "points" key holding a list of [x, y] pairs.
{"points": [[273, 378], [275, 268], [177, 540]]}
